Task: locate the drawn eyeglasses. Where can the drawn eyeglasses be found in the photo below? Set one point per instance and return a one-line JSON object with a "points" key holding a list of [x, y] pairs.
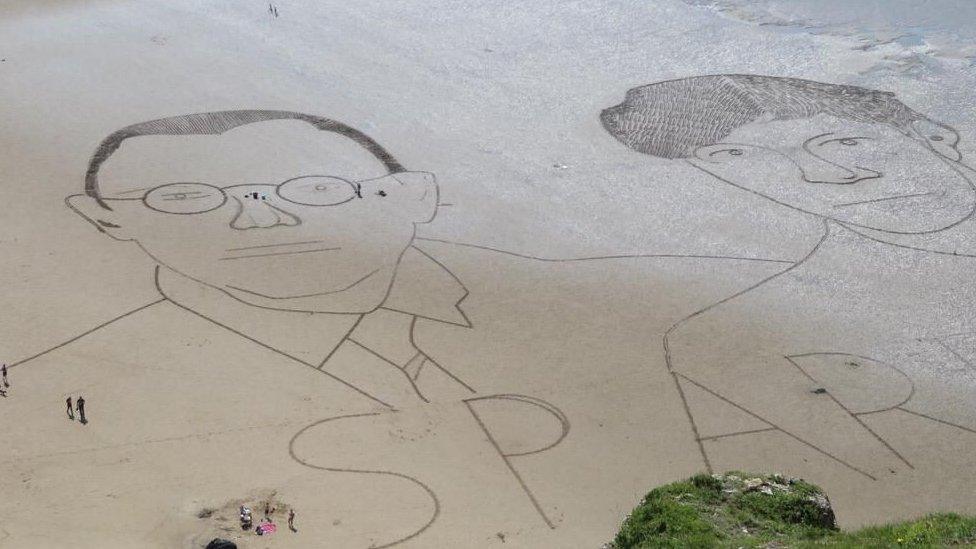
{"points": [[196, 198]]}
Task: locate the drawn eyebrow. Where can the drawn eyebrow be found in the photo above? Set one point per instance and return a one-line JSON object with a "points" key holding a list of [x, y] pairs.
{"points": [[144, 189], [704, 156], [135, 191], [843, 138], [733, 146], [177, 197], [807, 142]]}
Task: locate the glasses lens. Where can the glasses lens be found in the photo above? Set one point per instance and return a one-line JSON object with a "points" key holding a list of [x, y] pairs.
{"points": [[318, 190], [185, 198]]}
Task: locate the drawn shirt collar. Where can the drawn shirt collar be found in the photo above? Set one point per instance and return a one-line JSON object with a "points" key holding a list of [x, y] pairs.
{"points": [[425, 288]]}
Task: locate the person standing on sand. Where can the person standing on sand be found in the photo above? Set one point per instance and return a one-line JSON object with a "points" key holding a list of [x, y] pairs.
{"points": [[71, 410], [81, 409]]}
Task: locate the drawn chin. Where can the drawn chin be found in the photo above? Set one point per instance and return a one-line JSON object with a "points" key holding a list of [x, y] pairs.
{"points": [[283, 292]]}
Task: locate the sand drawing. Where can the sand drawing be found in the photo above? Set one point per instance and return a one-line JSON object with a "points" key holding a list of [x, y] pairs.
{"points": [[298, 200], [860, 329], [472, 395], [281, 238]]}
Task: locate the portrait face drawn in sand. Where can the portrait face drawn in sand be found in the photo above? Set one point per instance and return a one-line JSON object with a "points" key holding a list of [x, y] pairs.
{"points": [[854, 155], [277, 209]]}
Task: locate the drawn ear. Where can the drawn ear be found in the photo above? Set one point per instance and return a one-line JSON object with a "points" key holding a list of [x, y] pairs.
{"points": [[939, 137], [420, 194], [103, 219]]}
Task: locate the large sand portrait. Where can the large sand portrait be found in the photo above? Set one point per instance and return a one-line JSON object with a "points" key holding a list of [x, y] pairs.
{"points": [[864, 339], [420, 375], [448, 275]]}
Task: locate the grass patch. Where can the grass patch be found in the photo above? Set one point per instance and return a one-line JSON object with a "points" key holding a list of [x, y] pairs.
{"points": [[941, 530], [767, 511]]}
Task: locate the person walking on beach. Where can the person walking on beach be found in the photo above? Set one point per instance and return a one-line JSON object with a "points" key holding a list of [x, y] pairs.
{"points": [[71, 410], [81, 409]]}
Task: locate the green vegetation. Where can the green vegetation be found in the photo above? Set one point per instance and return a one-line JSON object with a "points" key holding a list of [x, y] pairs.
{"points": [[943, 530], [768, 511]]}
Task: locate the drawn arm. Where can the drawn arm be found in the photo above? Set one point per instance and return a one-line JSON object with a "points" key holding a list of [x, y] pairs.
{"points": [[781, 261]]}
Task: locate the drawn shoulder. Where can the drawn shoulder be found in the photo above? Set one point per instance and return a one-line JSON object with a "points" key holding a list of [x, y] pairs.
{"points": [[662, 286]]}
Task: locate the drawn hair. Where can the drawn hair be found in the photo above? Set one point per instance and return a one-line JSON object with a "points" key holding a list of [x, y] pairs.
{"points": [[215, 123], [671, 119]]}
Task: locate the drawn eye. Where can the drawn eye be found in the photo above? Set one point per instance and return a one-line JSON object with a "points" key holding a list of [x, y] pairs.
{"points": [[318, 190], [185, 198], [381, 193], [726, 153], [845, 141], [936, 138]]}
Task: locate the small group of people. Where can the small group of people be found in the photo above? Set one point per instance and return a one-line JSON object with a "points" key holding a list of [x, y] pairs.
{"points": [[267, 526], [80, 403]]}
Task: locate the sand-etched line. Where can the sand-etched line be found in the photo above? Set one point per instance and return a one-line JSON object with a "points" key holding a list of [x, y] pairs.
{"points": [[83, 334], [147, 442], [275, 245], [280, 253]]}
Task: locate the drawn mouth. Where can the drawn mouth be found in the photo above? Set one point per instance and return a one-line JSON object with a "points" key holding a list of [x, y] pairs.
{"points": [[885, 199], [267, 250]]}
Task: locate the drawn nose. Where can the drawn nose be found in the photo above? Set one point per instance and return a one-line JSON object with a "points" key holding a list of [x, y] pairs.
{"points": [[818, 170], [259, 214]]}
